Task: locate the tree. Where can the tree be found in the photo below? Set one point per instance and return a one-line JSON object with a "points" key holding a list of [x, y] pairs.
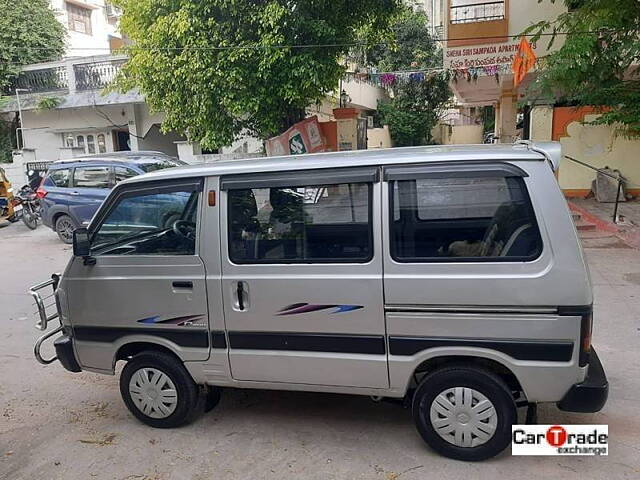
{"points": [[598, 62], [219, 68], [416, 105], [29, 33]]}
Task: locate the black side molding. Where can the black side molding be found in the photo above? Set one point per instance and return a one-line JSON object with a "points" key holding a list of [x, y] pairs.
{"points": [[184, 337], [575, 311], [542, 350], [218, 340], [309, 342]]}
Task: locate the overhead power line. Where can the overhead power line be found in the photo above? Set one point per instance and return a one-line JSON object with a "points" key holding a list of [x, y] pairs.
{"points": [[329, 45]]}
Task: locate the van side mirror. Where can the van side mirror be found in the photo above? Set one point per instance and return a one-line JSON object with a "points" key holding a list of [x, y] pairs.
{"points": [[81, 246]]}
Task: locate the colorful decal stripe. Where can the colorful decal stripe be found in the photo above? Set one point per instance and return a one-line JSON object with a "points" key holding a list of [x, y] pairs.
{"points": [[179, 321], [298, 308]]}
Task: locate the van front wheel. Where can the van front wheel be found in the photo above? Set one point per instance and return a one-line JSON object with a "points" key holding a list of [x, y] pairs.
{"points": [[159, 391], [464, 412]]}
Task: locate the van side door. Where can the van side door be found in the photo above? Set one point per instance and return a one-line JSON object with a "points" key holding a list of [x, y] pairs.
{"points": [[302, 277], [148, 281]]}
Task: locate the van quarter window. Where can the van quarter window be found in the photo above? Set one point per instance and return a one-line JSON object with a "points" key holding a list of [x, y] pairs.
{"points": [[463, 219], [320, 223], [151, 224]]}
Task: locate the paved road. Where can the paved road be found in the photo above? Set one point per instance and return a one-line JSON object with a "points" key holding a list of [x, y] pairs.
{"points": [[58, 425]]}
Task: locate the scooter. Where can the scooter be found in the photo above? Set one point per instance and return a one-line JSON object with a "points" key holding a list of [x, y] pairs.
{"points": [[26, 205]]}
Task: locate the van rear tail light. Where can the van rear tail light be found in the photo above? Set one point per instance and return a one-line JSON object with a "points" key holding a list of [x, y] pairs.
{"points": [[41, 192], [586, 327]]}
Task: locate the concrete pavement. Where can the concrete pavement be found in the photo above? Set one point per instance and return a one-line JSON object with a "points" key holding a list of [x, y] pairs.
{"points": [[59, 425]]}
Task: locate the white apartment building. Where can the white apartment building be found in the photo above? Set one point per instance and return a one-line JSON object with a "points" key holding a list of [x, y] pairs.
{"points": [[81, 118], [92, 26], [63, 108], [435, 13]]}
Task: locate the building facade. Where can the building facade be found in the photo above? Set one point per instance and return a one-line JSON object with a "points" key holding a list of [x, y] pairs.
{"points": [[65, 111], [480, 49]]}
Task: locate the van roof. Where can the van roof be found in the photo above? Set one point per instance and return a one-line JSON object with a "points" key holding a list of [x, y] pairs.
{"points": [[522, 151]]}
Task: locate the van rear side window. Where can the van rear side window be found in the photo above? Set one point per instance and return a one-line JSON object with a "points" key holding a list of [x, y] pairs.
{"points": [[310, 224], [463, 219]]}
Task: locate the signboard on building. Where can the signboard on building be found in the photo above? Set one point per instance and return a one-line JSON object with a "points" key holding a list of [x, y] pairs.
{"points": [[482, 55], [303, 137]]}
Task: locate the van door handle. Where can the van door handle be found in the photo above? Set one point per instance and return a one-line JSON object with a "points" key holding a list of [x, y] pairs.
{"points": [[182, 285], [240, 294]]}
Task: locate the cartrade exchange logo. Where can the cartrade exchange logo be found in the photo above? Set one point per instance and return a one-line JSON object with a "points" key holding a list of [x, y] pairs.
{"points": [[560, 439]]}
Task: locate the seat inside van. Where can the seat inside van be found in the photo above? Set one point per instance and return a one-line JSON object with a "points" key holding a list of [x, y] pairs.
{"points": [[475, 218]]}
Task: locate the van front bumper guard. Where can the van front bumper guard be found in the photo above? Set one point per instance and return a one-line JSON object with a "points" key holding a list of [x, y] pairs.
{"points": [[47, 311], [590, 395]]}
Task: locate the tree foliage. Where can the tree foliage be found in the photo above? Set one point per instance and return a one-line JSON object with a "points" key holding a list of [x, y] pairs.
{"points": [[29, 33], [185, 59], [598, 62], [416, 106]]}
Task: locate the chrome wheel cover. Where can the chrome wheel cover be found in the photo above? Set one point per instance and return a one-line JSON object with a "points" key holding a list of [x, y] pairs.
{"points": [[463, 417], [153, 393]]}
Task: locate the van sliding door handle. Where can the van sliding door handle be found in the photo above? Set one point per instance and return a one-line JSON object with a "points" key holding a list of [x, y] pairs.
{"points": [[240, 294], [182, 284]]}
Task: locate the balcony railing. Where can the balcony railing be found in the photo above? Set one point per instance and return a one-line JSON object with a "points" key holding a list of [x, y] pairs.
{"points": [[96, 75], [70, 75], [477, 12], [45, 80]]}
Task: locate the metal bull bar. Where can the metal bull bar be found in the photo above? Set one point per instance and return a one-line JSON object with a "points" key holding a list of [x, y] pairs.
{"points": [[44, 317]]}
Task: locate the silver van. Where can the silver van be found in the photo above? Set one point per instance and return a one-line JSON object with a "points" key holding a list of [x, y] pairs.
{"points": [[450, 277]]}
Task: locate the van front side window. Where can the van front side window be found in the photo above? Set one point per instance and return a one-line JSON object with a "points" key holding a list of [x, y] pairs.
{"points": [[320, 223], [149, 224], [463, 219]]}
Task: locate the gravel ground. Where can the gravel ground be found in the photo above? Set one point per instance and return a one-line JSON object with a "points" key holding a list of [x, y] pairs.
{"points": [[59, 425]]}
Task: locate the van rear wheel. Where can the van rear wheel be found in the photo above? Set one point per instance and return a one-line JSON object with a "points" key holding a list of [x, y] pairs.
{"points": [[158, 390], [464, 412]]}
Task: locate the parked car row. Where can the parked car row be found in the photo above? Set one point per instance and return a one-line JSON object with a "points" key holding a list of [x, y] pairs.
{"points": [[73, 190]]}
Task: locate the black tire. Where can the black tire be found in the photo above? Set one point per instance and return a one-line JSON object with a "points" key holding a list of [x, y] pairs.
{"points": [[480, 380], [29, 217], [189, 397], [212, 398], [65, 225]]}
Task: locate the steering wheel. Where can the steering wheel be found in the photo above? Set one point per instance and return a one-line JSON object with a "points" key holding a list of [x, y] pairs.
{"points": [[185, 229]]}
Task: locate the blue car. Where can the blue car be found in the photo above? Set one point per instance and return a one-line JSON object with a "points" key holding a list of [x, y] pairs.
{"points": [[72, 190]]}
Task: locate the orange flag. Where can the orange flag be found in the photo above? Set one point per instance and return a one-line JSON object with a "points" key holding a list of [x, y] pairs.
{"points": [[523, 61]]}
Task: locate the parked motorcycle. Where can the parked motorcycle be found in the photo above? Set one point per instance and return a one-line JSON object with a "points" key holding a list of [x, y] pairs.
{"points": [[26, 205]]}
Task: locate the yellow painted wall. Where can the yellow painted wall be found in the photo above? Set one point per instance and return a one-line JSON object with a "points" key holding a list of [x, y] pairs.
{"points": [[457, 134], [600, 147], [378, 137]]}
